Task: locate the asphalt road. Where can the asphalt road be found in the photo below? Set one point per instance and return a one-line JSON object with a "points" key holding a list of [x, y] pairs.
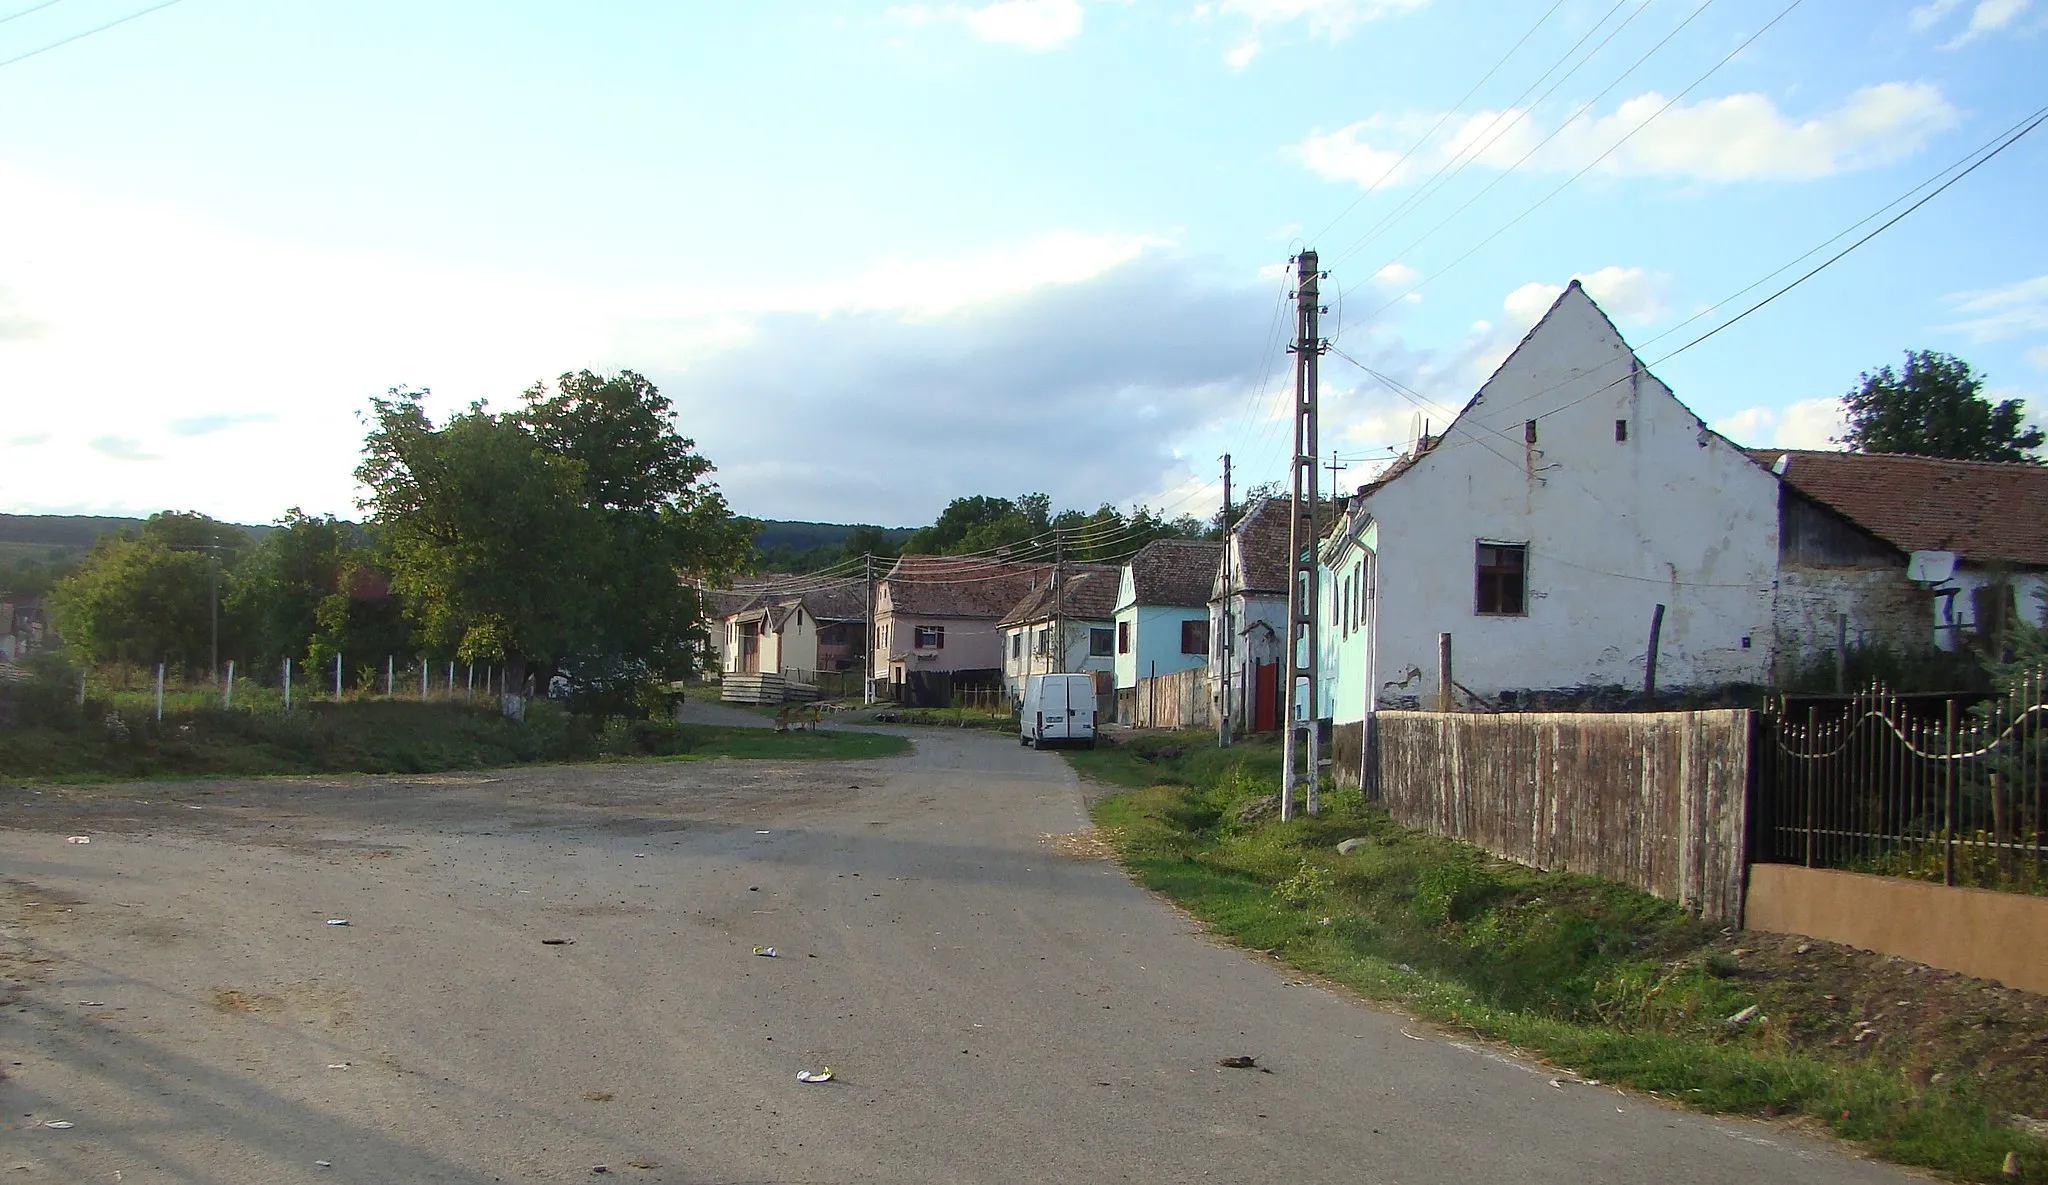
{"points": [[994, 1011]]}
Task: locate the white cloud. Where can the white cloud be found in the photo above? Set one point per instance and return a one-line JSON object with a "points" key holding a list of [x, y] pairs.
{"points": [[1927, 16], [1396, 275], [1629, 295], [1733, 138], [1333, 19], [1241, 54], [1806, 424], [1027, 24], [1986, 17], [2038, 356], [2012, 310]]}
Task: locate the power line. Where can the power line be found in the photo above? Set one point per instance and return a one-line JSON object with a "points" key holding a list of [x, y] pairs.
{"points": [[78, 36], [31, 8], [1590, 165], [1513, 113], [1440, 120]]}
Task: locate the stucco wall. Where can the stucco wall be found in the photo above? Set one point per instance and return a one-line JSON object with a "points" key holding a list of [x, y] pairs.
{"points": [[972, 644], [1885, 609], [1155, 643], [1673, 515], [1958, 614], [1991, 935], [1030, 662]]}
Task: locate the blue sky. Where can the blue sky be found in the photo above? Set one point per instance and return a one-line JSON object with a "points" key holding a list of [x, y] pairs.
{"points": [[882, 255]]}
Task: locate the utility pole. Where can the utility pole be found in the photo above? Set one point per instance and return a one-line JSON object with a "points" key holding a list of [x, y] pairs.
{"points": [[1059, 624], [1334, 469], [867, 658], [1226, 644], [1302, 548], [213, 638]]}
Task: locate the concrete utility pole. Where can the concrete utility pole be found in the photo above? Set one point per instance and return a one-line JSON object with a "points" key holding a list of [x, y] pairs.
{"points": [[1302, 548], [1059, 623], [1334, 469], [1226, 647], [867, 658]]}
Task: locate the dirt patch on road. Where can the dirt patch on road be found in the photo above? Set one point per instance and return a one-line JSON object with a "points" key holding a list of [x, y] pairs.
{"points": [[1080, 845]]}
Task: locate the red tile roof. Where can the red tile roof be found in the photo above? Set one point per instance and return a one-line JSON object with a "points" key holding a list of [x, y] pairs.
{"points": [[949, 586], [1177, 572], [1088, 593], [1983, 511], [1262, 538]]}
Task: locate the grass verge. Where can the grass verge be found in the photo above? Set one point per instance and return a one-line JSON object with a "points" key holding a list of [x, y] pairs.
{"points": [[1611, 982], [384, 737]]}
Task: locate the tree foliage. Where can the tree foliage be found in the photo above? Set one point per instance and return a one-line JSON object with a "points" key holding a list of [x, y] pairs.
{"points": [[556, 534], [1025, 528], [1935, 407], [147, 596]]}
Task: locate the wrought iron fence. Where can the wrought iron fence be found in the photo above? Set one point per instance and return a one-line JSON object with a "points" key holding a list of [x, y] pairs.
{"points": [[1955, 796]]}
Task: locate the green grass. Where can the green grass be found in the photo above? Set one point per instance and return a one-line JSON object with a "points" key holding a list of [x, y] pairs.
{"points": [[1609, 981], [378, 737]]}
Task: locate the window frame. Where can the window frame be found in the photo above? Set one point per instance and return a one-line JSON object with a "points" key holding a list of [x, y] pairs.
{"points": [[1101, 641], [1195, 623], [1499, 573], [1123, 637], [936, 634]]}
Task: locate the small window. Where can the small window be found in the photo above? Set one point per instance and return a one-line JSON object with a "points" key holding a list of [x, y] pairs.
{"points": [[1100, 641], [1620, 431], [1194, 637], [1503, 584], [931, 637], [1017, 645], [1123, 637], [1528, 432]]}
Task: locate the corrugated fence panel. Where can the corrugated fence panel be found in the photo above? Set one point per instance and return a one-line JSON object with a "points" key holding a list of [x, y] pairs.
{"points": [[1654, 800]]}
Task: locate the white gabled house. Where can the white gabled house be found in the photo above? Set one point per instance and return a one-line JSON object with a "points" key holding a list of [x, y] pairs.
{"points": [[1572, 495]]}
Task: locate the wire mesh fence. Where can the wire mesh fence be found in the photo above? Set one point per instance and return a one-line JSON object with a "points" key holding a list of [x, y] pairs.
{"points": [[1956, 794]]}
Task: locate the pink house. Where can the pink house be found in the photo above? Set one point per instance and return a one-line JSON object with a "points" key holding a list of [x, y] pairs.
{"points": [[942, 613]]}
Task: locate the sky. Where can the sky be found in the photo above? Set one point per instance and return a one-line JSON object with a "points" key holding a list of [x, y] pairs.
{"points": [[884, 255]]}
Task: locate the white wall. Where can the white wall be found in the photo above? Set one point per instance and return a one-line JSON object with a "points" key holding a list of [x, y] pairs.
{"points": [[1961, 610], [1674, 515]]}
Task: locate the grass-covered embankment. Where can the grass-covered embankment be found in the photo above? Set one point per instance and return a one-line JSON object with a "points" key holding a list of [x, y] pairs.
{"points": [[1608, 981], [379, 737]]}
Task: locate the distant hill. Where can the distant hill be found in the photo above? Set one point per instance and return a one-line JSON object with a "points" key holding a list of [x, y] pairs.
{"points": [[791, 535]]}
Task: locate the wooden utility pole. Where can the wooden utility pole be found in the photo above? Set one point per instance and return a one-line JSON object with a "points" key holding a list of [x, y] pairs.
{"points": [[1226, 647], [1650, 661], [1299, 665], [1334, 469]]}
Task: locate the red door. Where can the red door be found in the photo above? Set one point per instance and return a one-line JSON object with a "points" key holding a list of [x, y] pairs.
{"points": [[1266, 697]]}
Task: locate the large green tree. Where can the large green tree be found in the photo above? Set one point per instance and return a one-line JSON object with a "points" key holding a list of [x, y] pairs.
{"points": [[148, 595], [1935, 407], [555, 535], [1025, 528]]}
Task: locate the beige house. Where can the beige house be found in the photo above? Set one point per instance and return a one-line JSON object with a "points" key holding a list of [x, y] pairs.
{"points": [[938, 620], [1042, 636]]}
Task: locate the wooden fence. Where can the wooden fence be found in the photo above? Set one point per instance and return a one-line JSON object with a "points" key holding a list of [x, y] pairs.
{"points": [[1656, 800], [1178, 700]]}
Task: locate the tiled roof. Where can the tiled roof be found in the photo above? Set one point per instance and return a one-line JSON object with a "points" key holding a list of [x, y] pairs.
{"points": [[1982, 510], [1177, 572], [947, 586], [1088, 592], [839, 602], [742, 592], [1262, 539]]}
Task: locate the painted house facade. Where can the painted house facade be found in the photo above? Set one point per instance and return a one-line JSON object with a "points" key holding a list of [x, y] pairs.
{"points": [[1162, 609], [944, 614], [1248, 606], [1076, 632], [1572, 495]]}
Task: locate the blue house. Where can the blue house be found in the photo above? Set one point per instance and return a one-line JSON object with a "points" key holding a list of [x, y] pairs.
{"points": [[1162, 609]]}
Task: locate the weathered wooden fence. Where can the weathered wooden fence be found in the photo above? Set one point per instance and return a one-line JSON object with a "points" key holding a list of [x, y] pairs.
{"points": [[1178, 700], [1656, 800]]}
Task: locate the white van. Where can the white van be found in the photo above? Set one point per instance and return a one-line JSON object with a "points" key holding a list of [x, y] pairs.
{"points": [[1059, 709]]}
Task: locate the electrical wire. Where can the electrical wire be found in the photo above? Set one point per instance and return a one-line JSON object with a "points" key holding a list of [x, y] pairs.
{"points": [[1589, 166], [89, 32], [31, 8], [1440, 120]]}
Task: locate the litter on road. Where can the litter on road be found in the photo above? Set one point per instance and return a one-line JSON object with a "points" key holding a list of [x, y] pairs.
{"points": [[558, 942], [824, 1075], [78, 839], [766, 952], [62, 1125], [1242, 1062], [337, 921]]}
